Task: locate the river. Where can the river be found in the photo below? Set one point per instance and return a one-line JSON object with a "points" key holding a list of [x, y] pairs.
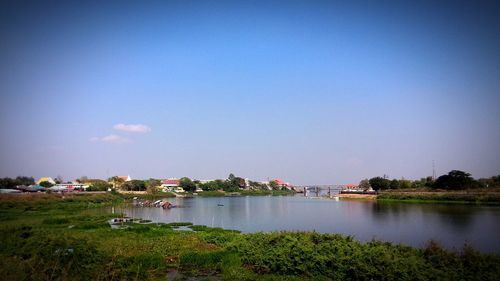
{"points": [[451, 225]]}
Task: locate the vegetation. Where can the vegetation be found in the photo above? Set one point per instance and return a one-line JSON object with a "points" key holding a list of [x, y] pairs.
{"points": [[187, 184], [12, 183], [55, 237], [97, 185], [133, 185], [46, 184], [467, 196], [454, 180]]}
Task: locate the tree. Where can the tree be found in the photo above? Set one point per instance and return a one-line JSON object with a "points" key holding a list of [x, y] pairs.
{"points": [[58, 179], [364, 185], [82, 179], [274, 185], [379, 183], [404, 184], [98, 185], [134, 185], [7, 183], [20, 180], [455, 180], [116, 181], [187, 184], [394, 184], [46, 184]]}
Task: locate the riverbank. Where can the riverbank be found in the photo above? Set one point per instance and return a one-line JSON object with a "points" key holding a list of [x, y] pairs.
{"points": [[56, 237], [429, 196], [351, 196]]}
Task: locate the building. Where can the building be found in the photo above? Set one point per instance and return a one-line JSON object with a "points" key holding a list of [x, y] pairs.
{"points": [[170, 184], [125, 178], [47, 179], [72, 186], [282, 183]]}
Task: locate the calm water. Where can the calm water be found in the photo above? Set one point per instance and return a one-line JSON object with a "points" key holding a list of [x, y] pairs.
{"points": [[411, 224]]}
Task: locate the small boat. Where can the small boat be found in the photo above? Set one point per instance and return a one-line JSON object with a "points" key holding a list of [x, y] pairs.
{"points": [[220, 205]]}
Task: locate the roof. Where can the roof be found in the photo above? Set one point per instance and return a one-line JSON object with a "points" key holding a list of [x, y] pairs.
{"points": [[49, 179], [171, 181], [125, 178], [281, 182]]}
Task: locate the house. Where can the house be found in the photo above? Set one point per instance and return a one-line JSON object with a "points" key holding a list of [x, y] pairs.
{"points": [[170, 184], [47, 179], [282, 183], [73, 186], [125, 178]]}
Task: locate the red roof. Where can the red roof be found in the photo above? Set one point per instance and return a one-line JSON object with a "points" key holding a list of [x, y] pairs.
{"points": [[280, 182], [170, 182]]}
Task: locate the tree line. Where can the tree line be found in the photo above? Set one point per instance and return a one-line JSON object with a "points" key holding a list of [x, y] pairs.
{"points": [[454, 180]]}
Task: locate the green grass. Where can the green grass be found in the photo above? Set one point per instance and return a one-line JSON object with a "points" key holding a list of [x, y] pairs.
{"points": [[56, 238], [442, 197]]}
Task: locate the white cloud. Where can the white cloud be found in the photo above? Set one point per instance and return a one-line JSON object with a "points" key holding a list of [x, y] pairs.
{"points": [[110, 139], [132, 128]]}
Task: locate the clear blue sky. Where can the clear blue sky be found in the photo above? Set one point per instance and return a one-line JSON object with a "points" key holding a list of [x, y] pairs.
{"points": [[311, 92]]}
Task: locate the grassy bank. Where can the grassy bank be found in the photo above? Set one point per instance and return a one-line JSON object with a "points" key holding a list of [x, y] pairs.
{"points": [[51, 237], [417, 196]]}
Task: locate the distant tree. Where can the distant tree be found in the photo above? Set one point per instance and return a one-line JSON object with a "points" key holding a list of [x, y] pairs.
{"points": [[257, 185], [133, 185], [58, 179], [82, 179], [7, 183], [116, 181], [394, 184], [20, 180], [187, 184], [152, 185], [403, 184], [46, 184], [274, 185], [455, 180], [493, 182], [364, 184], [429, 181], [98, 185], [379, 183], [152, 182]]}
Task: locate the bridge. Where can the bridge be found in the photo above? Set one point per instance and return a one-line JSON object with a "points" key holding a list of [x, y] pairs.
{"points": [[319, 190]]}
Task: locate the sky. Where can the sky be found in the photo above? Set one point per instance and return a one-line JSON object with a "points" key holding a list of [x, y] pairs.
{"points": [[313, 92]]}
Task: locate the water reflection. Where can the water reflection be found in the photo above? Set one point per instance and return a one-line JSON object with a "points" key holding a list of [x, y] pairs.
{"points": [[412, 224]]}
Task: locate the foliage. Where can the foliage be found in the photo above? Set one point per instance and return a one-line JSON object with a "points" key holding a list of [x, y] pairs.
{"points": [[493, 182], [152, 185], [133, 185], [274, 185], [46, 184], [339, 257], [364, 184], [379, 183], [455, 180], [187, 184], [12, 183], [97, 185], [117, 181], [448, 196]]}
